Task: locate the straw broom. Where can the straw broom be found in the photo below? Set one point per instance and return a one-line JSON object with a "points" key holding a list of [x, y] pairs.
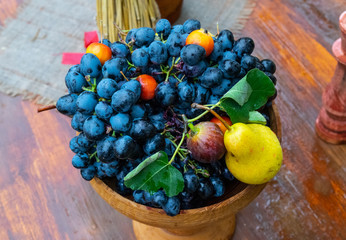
{"points": [[113, 16]]}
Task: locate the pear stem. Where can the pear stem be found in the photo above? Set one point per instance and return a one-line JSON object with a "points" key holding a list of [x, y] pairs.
{"points": [[196, 105]]}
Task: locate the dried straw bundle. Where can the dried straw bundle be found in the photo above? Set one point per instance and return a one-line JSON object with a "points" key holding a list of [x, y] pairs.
{"points": [[114, 15]]}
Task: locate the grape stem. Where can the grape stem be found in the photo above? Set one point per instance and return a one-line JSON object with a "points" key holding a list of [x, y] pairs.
{"points": [[121, 72], [196, 105], [181, 141], [45, 108], [204, 113], [170, 69], [180, 150], [93, 155]]}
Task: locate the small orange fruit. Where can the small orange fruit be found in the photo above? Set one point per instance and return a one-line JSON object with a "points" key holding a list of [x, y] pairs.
{"points": [[200, 37], [220, 124], [101, 51], [148, 86]]}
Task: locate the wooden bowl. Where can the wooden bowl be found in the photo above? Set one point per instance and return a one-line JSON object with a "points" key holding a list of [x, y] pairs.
{"points": [[215, 221]]}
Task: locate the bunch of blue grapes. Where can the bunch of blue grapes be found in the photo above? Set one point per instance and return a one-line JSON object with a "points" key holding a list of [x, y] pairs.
{"points": [[117, 129]]}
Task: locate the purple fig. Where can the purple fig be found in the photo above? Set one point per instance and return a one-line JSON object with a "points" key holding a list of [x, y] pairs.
{"points": [[206, 142]]}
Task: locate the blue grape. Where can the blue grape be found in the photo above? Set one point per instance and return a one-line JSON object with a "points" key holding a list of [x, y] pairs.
{"points": [[191, 25], [121, 122], [158, 52], [191, 181], [195, 71], [248, 62], [174, 44], [192, 54], [123, 100], [186, 200], [186, 91], [243, 46], [122, 189], [106, 42], [121, 83], [94, 128], [140, 57], [67, 104], [78, 120], [172, 206], [110, 169], [131, 35], [226, 174], [173, 81], [84, 142], [141, 130], [269, 66], [90, 65], [230, 56], [163, 27], [169, 147], [120, 50], [241, 74], [271, 76], [113, 67], [134, 86], [124, 147], [80, 160], [158, 121], [213, 99], [144, 36], [75, 82], [103, 110], [225, 85], [154, 144], [259, 65], [159, 198], [106, 149], [138, 196], [177, 29], [106, 88], [88, 173], [202, 94], [138, 111], [229, 68], [226, 39], [218, 185], [76, 148], [193, 112], [86, 102], [211, 77], [205, 188], [155, 71], [166, 94], [184, 37], [74, 68], [217, 52]]}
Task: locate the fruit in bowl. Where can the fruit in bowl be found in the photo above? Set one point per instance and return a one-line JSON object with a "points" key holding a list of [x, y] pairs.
{"points": [[155, 122]]}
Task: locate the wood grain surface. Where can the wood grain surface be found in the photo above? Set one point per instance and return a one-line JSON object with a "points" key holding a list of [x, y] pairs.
{"points": [[43, 197]]}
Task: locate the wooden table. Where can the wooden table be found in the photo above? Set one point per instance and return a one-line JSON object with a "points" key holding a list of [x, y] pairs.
{"points": [[43, 197]]}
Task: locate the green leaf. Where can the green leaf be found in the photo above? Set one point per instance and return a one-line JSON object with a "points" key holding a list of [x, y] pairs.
{"points": [[155, 173], [248, 95], [256, 117], [240, 92]]}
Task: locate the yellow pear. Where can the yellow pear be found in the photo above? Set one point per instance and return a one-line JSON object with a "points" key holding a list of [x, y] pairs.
{"points": [[254, 154]]}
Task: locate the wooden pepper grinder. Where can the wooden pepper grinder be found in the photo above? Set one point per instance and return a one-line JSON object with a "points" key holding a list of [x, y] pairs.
{"points": [[331, 122]]}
